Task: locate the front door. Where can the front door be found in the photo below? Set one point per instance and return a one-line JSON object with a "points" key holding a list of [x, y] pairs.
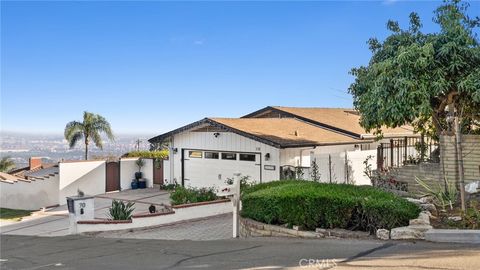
{"points": [[158, 172], [113, 176]]}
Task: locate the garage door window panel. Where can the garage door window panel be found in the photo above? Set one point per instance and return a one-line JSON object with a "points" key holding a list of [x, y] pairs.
{"points": [[212, 155], [248, 157], [229, 156], [195, 154]]}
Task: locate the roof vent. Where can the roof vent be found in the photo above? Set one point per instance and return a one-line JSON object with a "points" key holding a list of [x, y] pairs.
{"points": [[297, 133]]}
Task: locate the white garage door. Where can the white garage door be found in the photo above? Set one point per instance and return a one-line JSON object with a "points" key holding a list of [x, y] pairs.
{"points": [[204, 168]]}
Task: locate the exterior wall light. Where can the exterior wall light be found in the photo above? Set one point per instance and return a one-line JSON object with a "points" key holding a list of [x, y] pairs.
{"points": [[175, 150], [267, 156], [216, 134]]}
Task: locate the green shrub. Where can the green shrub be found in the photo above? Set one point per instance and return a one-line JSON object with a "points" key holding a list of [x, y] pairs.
{"points": [[157, 154], [320, 205], [169, 187], [183, 195], [121, 211], [255, 187]]}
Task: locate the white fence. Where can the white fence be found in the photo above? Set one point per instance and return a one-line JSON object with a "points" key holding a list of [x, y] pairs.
{"points": [[345, 167]]}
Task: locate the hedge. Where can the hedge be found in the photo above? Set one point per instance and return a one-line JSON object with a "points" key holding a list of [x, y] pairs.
{"points": [[320, 205], [182, 195], [157, 154]]}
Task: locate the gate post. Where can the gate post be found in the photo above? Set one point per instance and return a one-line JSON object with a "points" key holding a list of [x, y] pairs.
{"points": [[380, 157], [391, 153]]}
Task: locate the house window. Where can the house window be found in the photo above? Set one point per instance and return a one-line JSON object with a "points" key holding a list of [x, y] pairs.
{"points": [[229, 156], [195, 154], [247, 157], [211, 155]]}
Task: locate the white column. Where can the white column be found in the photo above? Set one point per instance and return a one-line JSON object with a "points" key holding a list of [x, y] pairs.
{"points": [[236, 203]]}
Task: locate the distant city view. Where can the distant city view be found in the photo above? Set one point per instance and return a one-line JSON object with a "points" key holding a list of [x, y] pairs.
{"points": [[54, 148]]}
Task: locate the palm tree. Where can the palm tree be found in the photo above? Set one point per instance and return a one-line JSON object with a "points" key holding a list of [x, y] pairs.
{"points": [[6, 164], [88, 130]]}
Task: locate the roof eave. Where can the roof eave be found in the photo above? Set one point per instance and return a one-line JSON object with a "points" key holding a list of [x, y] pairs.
{"points": [[325, 144], [391, 135]]}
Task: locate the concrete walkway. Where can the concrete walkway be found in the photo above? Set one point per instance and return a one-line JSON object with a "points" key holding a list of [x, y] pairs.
{"points": [[54, 222]]}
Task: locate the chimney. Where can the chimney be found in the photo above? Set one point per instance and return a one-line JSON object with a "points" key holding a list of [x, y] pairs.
{"points": [[35, 162]]}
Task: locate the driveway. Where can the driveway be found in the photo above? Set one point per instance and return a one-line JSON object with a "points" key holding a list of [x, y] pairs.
{"points": [[81, 252], [55, 222], [211, 228]]}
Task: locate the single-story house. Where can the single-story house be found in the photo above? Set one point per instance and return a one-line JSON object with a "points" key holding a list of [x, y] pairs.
{"points": [[210, 151]]}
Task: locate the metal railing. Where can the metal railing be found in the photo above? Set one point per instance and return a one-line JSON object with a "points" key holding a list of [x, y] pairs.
{"points": [[407, 150]]}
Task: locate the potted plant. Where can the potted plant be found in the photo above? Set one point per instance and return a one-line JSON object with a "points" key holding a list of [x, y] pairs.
{"points": [[141, 182], [140, 163], [134, 184]]}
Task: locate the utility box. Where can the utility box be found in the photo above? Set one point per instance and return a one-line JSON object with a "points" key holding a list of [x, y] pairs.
{"points": [[80, 208]]}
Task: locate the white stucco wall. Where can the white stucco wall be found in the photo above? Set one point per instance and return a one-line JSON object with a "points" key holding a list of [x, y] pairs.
{"points": [[128, 168], [357, 168], [181, 214], [302, 156], [334, 169], [88, 176], [226, 141], [29, 195], [166, 171]]}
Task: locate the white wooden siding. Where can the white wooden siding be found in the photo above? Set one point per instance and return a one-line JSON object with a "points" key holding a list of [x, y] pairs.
{"points": [[226, 141]]}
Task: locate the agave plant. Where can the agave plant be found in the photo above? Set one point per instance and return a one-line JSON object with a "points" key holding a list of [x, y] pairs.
{"points": [[121, 211], [442, 196]]}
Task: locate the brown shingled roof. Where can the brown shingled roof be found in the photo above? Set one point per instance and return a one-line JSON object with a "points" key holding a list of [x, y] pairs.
{"points": [[286, 132], [341, 118]]}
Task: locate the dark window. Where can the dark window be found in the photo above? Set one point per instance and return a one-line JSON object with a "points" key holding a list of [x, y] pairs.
{"points": [[229, 156], [211, 155], [247, 157], [195, 154]]}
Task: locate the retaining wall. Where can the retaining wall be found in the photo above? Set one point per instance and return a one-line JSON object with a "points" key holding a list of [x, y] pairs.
{"points": [[179, 213]]}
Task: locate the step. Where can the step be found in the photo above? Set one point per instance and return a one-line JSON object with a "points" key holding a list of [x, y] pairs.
{"points": [[453, 236]]}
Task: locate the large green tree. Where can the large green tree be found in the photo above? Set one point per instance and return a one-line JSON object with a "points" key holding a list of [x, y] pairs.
{"points": [[424, 79], [6, 164], [419, 78], [89, 130]]}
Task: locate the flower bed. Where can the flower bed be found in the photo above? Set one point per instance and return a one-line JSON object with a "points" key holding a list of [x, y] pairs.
{"points": [[182, 195], [319, 205]]}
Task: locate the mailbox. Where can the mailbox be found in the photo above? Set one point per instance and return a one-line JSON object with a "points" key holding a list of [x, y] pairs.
{"points": [[80, 208]]}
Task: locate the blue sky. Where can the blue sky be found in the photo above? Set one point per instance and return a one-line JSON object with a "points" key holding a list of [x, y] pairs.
{"points": [[149, 67]]}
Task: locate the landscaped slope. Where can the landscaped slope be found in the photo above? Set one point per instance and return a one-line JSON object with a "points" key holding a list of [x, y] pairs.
{"points": [[319, 205]]}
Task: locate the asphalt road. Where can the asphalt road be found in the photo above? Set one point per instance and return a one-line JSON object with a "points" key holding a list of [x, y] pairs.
{"points": [[81, 252]]}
